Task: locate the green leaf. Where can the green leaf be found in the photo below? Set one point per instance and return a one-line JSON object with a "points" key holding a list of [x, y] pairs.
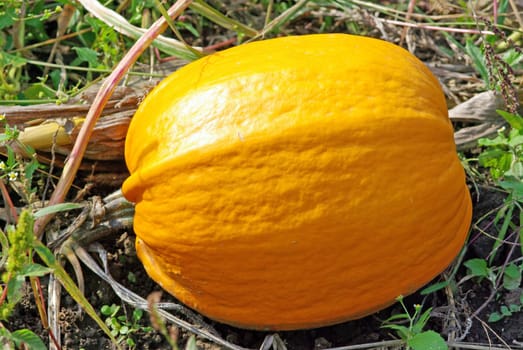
{"points": [[31, 340], [7, 18], [14, 286], [57, 208], [206, 10], [434, 288], [107, 310], [478, 60], [478, 267], [495, 317], [191, 343], [67, 282], [505, 162], [505, 311], [34, 270], [428, 340], [39, 91], [397, 317], [11, 158], [516, 170], [31, 166], [87, 55], [189, 27], [403, 332], [507, 220], [422, 321], [115, 324], [124, 330], [497, 160], [499, 140], [512, 57], [137, 315], [512, 277], [11, 60], [514, 120], [515, 137], [512, 185]]}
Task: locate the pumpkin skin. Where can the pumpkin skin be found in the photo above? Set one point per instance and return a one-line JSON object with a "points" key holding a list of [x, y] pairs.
{"points": [[296, 182]]}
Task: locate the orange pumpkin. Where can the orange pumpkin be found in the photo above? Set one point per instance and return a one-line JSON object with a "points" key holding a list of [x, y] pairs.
{"points": [[296, 182]]}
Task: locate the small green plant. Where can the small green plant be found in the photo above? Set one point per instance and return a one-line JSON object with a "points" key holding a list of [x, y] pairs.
{"points": [[497, 61], [121, 327], [507, 280], [18, 263], [503, 157], [20, 339], [18, 248], [503, 154], [18, 171], [412, 333]]}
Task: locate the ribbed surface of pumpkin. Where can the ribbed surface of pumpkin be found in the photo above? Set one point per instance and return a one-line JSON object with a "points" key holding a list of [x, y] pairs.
{"points": [[296, 182]]}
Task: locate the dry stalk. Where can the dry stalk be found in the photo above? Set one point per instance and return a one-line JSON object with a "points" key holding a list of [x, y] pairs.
{"points": [[101, 99]]}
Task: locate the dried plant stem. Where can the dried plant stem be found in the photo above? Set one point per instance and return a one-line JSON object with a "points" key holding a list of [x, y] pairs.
{"points": [[516, 13], [410, 10], [433, 27], [107, 88]]}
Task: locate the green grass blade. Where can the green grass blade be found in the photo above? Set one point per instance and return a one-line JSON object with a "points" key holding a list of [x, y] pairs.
{"points": [[217, 17], [170, 21], [521, 233], [283, 18], [57, 208], [48, 258], [514, 120], [478, 61], [434, 287], [507, 219]]}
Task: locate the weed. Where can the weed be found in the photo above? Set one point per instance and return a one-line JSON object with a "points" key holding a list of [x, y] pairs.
{"points": [[20, 339], [503, 157], [19, 264], [504, 279], [413, 334], [121, 327], [18, 248], [496, 67]]}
